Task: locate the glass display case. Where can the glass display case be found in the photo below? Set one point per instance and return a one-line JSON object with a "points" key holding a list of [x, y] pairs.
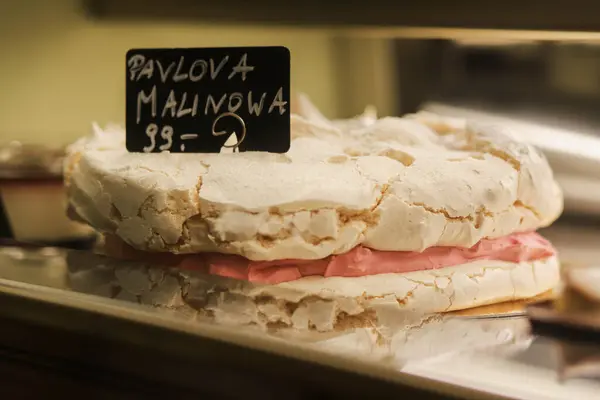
{"points": [[76, 322]]}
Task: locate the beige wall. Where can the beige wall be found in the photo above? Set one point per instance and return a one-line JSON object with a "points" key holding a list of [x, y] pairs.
{"points": [[59, 71]]}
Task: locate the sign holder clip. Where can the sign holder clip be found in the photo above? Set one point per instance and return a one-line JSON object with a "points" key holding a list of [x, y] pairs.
{"points": [[221, 133]]}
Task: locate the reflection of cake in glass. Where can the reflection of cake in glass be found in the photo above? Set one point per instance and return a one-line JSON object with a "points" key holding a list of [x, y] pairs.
{"points": [[360, 218], [397, 336]]}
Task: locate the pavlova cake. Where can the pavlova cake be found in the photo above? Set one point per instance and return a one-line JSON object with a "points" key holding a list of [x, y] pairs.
{"points": [[417, 213]]}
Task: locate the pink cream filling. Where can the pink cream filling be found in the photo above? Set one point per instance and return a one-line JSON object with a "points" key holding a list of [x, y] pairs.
{"points": [[362, 261]]}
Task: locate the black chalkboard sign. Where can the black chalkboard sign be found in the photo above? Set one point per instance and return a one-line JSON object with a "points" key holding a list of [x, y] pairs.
{"points": [[199, 100]]}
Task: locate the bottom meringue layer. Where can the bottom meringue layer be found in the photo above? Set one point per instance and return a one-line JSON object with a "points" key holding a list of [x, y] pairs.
{"points": [[361, 261], [384, 304]]}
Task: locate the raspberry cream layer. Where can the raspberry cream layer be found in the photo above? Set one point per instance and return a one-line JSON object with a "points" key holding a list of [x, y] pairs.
{"points": [[360, 261]]}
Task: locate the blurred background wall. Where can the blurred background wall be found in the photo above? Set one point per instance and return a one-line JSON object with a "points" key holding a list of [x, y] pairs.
{"points": [[60, 71]]}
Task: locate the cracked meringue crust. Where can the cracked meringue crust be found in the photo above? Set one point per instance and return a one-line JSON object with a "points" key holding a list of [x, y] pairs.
{"points": [[442, 280], [385, 303], [327, 302], [384, 300], [394, 184]]}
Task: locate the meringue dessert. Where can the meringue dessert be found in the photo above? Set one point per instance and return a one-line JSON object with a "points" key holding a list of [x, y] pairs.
{"points": [[422, 213], [580, 291]]}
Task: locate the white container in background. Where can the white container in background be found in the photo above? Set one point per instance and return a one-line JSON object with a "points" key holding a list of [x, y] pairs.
{"points": [[34, 198]]}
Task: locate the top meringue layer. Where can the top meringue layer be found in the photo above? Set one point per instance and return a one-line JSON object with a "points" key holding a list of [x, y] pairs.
{"points": [[396, 184]]}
